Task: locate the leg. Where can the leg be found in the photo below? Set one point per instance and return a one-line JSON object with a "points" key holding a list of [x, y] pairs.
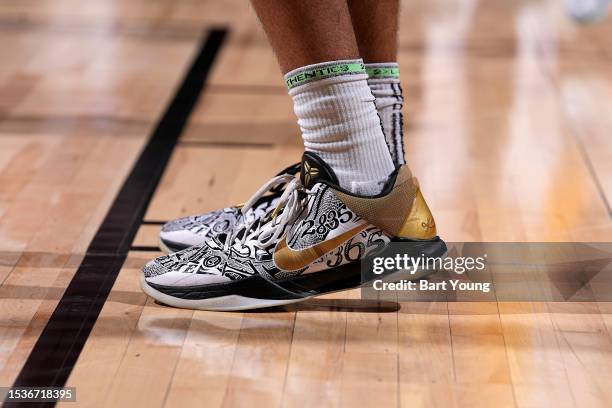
{"points": [[304, 33], [316, 48], [376, 24]]}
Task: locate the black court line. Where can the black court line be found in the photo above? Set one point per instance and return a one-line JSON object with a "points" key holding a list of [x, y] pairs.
{"points": [[153, 222], [145, 248], [61, 341]]}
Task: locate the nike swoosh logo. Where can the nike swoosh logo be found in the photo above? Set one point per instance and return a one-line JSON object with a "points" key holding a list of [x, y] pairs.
{"points": [[288, 259]]}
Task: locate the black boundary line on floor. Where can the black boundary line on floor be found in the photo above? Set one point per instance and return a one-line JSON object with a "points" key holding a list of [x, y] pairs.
{"points": [[59, 345], [153, 222], [145, 248]]}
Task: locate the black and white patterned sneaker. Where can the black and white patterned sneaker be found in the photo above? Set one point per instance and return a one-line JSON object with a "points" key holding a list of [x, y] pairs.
{"points": [[311, 243], [185, 232]]}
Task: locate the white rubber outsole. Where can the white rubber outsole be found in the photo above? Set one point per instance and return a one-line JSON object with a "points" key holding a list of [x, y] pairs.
{"points": [[222, 303]]}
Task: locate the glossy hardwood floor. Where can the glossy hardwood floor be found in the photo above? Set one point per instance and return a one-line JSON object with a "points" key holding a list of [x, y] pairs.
{"points": [[508, 127]]}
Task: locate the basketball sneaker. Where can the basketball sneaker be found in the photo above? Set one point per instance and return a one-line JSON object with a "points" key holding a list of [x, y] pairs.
{"points": [[185, 232], [311, 243]]}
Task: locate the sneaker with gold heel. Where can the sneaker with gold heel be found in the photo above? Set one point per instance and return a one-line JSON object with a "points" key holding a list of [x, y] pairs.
{"points": [[310, 243]]}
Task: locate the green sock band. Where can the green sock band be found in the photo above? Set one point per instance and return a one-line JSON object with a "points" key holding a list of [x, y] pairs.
{"points": [[315, 72], [382, 71]]}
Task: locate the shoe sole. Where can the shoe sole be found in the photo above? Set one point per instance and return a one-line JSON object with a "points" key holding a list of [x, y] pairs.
{"points": [[239, 295], [228, 303]]}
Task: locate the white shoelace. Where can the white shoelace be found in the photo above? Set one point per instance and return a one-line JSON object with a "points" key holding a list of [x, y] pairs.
{"points": [[289, 204]]}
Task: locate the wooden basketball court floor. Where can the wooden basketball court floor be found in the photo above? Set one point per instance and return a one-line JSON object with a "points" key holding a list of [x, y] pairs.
{"points": [[508, 127]]}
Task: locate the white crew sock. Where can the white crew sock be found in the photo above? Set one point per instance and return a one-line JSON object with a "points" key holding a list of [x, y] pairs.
{"points": [[339, 122], [384, 82]]}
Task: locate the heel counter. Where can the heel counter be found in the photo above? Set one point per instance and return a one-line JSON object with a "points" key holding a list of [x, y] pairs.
{"points": [[400, 212], [419, 223]]}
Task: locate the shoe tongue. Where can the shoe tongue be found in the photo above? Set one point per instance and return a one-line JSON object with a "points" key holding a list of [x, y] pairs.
{"points": [[314, 169]]}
